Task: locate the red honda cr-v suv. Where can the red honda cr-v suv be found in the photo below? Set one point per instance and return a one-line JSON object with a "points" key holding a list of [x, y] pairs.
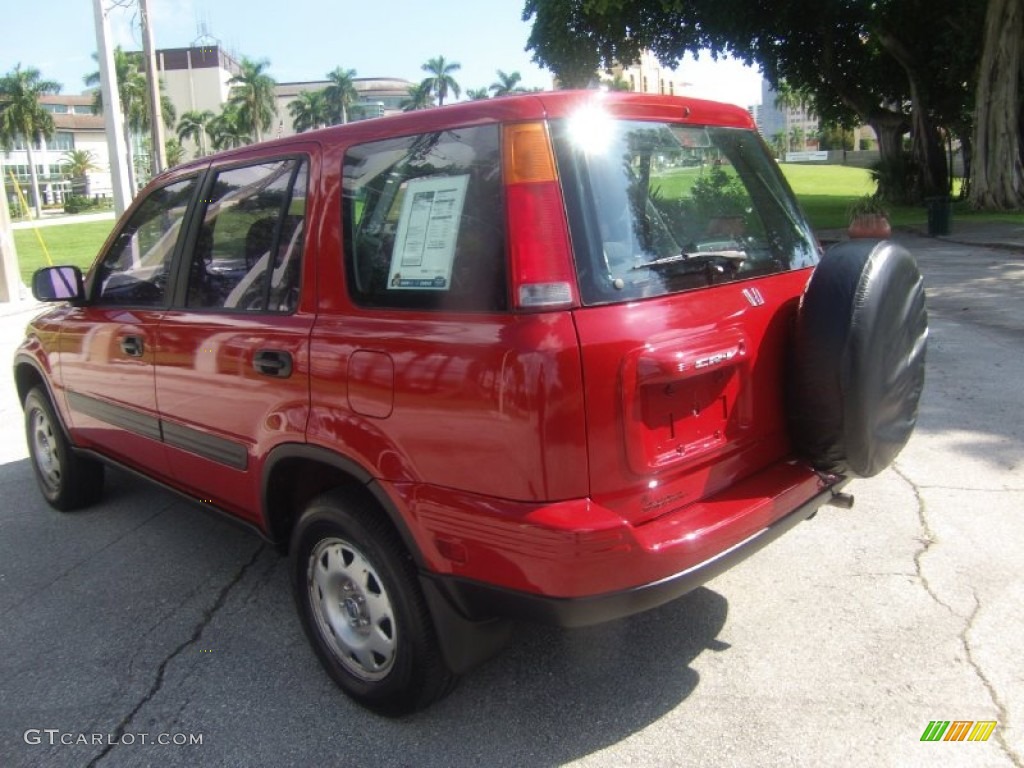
{"points": [[556, 357]]}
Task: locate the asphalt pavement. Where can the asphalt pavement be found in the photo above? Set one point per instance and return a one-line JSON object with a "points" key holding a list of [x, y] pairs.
{"points": [[146, 619]]}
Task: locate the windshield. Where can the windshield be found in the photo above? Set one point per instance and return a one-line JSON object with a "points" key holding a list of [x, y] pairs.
{"points": [[657, 208]]}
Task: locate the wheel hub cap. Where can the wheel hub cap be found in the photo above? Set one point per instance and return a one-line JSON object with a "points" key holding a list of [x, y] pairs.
{"points": [[352, 610]]}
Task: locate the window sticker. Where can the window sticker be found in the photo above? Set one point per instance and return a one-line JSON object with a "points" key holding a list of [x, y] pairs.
{"points": [[427, 230]]}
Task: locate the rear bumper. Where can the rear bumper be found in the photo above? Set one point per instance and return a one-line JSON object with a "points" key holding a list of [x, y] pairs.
{"points": [[569, 564], [478, 600]]}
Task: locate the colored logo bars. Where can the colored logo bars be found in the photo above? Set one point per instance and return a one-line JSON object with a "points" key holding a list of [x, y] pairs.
{"points": [[958, 730]]}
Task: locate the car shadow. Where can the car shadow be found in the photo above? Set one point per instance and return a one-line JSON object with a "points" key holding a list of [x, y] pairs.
{"points": [[556, 695]]}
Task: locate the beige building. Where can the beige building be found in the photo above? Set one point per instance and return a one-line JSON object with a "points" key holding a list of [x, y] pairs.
{"points": [[650, 76], [198, 78]]}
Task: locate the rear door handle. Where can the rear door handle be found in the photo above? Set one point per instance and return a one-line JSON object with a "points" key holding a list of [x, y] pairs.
{"points": [[132, 346], [273, 362]]}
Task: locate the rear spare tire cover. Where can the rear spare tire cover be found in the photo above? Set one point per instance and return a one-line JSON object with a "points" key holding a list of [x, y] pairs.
{"points": [[858, 358]]}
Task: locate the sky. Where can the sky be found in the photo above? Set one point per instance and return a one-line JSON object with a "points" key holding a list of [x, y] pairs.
{"points": [[305, 39]]}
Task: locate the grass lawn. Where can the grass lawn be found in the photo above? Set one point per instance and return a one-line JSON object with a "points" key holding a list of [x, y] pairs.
{"points": [[75, 244]]}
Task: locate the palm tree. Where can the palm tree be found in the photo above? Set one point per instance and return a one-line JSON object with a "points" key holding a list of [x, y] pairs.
{"points": [[309, 110], [173, 152], [779, 144], [419, 97], [478, 94], [787, 97], [22, 117], [506, 84], [133, 93], [192, 126], [76, 166], [440, 78], [797, 137], [226, 130], [252, 93], [340, 94]]}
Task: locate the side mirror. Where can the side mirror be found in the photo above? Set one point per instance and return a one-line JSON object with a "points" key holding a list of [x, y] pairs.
{"points": [[58, 284]]}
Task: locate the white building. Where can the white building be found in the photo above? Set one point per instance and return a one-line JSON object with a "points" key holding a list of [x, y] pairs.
{"points": [[77, 128]]}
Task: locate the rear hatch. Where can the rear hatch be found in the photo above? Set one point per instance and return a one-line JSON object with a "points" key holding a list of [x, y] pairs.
{"points": [[691, 254]]}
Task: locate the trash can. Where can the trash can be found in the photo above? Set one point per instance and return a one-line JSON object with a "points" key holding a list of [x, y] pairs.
{"points": [[938, 216]]}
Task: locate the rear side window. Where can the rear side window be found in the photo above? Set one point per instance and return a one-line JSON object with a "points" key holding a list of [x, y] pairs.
{"points": [[657, 208], [424, 222], [249, 248]]}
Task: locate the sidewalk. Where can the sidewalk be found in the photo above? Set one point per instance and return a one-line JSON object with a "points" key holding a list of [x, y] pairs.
{"points": [[56, 218]]}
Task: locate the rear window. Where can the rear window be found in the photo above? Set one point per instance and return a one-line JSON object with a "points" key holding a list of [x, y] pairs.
{"points": [[424, 222], [657, 208]]}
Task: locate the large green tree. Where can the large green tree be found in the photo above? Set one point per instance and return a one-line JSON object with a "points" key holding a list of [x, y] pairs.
{"points": [[22, 117], [340, 94], [252, 95], [440, 78], [871, 61]]}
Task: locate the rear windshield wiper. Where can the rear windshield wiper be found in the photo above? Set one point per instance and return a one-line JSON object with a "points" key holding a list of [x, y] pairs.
{"points": [[731, 256]]}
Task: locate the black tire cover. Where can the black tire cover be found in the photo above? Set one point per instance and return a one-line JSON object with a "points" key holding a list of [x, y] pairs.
{"points": [[858, 358]]}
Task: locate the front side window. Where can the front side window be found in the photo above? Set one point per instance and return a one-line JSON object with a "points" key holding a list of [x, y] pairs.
{"points": [[248, 252], [657, 208], [135, 271], [424, 222]]}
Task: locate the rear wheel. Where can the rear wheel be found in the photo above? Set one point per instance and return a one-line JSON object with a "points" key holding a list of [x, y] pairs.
{"points": [[67, 480], [362, 608]]}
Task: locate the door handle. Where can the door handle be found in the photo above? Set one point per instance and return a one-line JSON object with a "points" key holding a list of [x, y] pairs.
{"points": [[132, 346], [273, 362]]}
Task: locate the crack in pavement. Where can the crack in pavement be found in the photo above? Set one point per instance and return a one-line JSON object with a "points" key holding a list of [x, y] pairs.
{"points": [[1001, 711], [928, 538], [197, 633]]}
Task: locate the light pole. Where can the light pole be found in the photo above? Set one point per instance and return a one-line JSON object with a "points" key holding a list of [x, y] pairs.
{"points": [[116, 146], [156, 114], [10, 279]]}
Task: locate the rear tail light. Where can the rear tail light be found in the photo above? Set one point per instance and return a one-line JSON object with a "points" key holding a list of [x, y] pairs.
{"points": [[541, 258]]}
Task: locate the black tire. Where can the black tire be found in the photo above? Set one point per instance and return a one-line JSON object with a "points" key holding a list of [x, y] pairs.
{"points": [[858, 358], [362, 609], [67, 480]]}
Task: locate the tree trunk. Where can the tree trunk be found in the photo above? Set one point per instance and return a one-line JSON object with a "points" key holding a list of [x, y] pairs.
{"points": [[36, 199], [929, 157], [889, 127], [130, 157], [998, 182]]}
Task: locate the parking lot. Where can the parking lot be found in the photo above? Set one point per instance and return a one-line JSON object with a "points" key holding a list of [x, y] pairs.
{"points": [[146, 620]]}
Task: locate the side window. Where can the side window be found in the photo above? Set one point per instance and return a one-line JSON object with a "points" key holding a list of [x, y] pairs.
{"points": [[248, 253], [134, 272], [424, 222]]}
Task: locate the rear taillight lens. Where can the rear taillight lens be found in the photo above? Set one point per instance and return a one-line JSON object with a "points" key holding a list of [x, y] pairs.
{"points": [[540, 253]]}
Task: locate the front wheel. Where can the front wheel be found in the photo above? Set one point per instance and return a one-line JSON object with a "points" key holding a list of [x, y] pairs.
{"points": [[67, 480], [362, 608]]}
